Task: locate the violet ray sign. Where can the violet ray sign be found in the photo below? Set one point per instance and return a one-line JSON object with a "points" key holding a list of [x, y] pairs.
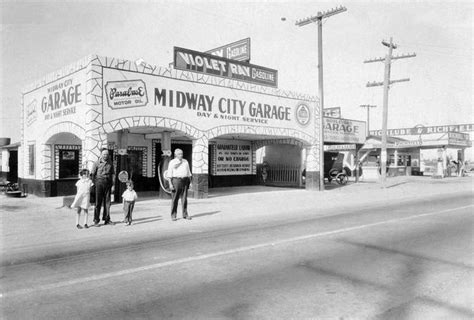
{"points": [[190, 60]]}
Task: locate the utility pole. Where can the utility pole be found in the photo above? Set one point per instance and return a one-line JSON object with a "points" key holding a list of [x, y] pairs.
{"points": [[318, 18], [386, 85], [368, 106]]}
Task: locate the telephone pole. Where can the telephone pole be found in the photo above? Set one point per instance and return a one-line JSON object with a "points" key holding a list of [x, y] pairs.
{"points": [[368, 106], [386, 85], [318, 18]]}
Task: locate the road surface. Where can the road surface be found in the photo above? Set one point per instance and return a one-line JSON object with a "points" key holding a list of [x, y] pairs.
{"points": [[405, 260]]}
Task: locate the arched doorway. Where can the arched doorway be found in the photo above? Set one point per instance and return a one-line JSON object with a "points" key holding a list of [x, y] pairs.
{"points": [[63, 162], [236, 156]]}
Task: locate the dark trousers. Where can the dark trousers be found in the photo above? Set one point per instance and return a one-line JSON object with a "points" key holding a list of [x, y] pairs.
{"points": [[102, 199], [127, 210], [181, 186]]}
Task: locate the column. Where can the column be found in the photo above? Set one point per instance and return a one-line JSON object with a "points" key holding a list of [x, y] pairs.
{"points": [[313, 165], [200, 169], [92, 146], [395, 159]]}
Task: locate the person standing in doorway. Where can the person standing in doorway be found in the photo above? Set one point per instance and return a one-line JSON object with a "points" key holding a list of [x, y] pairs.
{"points": [[103, 175], [179, 176]]}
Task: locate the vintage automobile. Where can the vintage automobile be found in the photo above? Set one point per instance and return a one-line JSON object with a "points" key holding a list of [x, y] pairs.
{"points": [[334, 167]]}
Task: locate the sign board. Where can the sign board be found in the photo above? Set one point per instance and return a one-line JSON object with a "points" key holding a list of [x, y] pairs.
{"points": [[239, 50], [460, 139], [407, 144], [233, 158], [126, 94], [332, 112], [190, 60], [344, 131], [425, 130], [339, 147], [207, 106], [62, 100]]}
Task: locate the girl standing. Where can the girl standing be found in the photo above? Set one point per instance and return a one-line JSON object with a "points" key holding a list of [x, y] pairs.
{"points": [[82, 199]]}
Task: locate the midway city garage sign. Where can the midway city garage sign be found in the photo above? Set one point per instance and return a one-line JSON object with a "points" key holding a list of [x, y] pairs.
{"points": [[203, 106], [190, 60]]}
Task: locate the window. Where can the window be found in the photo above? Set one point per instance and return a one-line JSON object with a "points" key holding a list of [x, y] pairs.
{"points": [[68, 163], [31, 158]]}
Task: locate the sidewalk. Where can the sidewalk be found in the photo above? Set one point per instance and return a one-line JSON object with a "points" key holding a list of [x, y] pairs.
{"points": [[43, 223]]}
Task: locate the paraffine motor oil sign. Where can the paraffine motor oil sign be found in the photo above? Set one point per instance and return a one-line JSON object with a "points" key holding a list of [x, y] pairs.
{"points": [[126, 94]]}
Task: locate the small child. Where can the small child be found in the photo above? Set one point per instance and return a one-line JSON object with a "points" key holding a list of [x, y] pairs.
{"points": [[82, 199], [129, 196]]}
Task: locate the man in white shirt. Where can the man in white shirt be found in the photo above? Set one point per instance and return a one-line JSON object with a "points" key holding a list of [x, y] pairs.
{"points": [[179, 176]]}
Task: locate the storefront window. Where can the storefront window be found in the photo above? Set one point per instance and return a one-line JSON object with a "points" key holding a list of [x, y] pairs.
{"points": [[31, 158], [392, 159], [68, 163]]}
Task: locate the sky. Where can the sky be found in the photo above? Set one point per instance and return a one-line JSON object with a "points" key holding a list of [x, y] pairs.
{"points": [[39, 37]]}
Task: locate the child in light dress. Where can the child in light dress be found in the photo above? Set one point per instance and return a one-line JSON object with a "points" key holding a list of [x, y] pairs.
{"points": [[129, 196], [82, 200]]}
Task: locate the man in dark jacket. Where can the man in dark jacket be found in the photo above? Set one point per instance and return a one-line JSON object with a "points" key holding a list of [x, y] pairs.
{"points": [[103, 175]]}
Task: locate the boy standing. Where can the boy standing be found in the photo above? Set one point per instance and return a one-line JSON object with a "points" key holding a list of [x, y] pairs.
{"points": [[128, 198]]}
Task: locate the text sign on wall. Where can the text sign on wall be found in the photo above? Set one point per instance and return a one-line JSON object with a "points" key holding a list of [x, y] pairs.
{"points": [[233, 158], [61, 100], [426, 130], [190, 60], [344, 130], [208, 106], [332, 112], [126, 94], [239, 50], [460, 139]]}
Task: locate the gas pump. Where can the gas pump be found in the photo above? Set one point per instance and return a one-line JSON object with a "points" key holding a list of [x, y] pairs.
{"points": [[162, 171]]}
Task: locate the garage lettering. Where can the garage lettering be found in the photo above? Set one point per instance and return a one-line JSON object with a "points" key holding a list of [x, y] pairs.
{"points": [[60, 99], [267, 111], [339, 127]]}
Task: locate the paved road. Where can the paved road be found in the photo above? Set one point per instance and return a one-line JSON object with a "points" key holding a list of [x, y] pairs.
{"points": [[409, 260]]}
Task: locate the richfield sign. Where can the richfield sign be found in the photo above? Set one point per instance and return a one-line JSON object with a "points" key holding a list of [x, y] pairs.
{"points": [[189, 60], [425, 130], [239, 50]]}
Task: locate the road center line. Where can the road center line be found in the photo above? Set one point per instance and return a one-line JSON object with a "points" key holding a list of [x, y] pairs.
{"points": [[104, 276]]}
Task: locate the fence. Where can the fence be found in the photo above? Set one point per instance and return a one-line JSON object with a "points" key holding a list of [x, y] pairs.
{"points": [[281, 174]]}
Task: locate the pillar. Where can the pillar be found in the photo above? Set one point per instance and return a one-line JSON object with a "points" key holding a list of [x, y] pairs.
{"points": [[313, 165], [356, 161], [200, 170]]}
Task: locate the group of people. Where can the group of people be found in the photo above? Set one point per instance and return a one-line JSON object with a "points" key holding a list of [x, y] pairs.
{"points": [[98, 185]]}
